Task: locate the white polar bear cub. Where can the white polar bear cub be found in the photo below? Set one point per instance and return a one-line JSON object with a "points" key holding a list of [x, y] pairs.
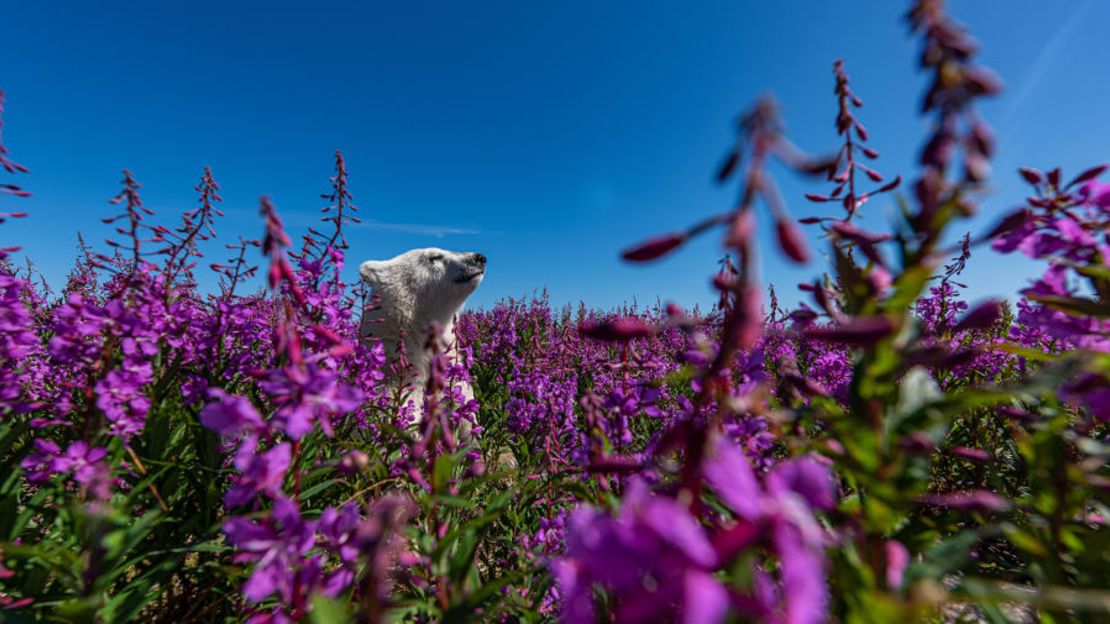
{"points": [[416, 289]]}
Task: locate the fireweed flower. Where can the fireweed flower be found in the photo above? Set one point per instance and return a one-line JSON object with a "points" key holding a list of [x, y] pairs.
{"points": [[279, 545], [17, 341], [654, 557], [260, 473], [783, 509], [231, 415], [84, 463], [37, 464], [305, 395], [121, 396], [80, 460]]}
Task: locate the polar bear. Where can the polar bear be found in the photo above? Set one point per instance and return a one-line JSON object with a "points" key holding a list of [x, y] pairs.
{"points": [[414, 290]]}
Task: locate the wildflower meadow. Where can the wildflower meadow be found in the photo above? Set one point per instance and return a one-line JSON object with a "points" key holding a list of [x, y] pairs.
{"points": [[891, 450]]}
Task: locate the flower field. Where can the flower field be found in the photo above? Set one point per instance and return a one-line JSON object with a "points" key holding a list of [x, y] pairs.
{"points": [[889, 451]]}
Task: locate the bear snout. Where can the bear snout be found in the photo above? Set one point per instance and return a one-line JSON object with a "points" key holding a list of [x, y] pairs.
{"points": [[478, 259]]}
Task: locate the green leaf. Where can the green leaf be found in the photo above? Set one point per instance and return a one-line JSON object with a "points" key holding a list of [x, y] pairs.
{"points": [[329, 610]]}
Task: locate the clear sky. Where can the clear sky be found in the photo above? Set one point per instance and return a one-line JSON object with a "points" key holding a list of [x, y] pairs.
{"points": [[548, 135]]}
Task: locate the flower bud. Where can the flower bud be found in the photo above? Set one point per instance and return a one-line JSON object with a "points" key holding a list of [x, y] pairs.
{"points": [[654, 248], [353, 462], [621, 329], [981, 316], [792, 242]]}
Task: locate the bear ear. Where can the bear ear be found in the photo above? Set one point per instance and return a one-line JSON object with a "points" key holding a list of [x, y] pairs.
{"points": [[372, 271]]}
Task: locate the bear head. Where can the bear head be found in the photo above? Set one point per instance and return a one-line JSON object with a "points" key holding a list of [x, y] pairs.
{"points": [[422, 286]]}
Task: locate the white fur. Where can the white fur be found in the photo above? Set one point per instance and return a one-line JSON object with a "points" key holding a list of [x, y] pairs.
{"points": [[416, 289]]}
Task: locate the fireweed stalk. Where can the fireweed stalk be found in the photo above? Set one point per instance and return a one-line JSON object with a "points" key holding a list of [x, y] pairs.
{"points": [[668, 532]]}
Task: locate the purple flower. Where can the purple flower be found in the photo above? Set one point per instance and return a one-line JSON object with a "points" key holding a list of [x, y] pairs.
{"points": [[120, 396], [1092, 390], [806, 477], [306, 395], [261, 473], [794, 489], [84, 463], [897, 559], [654, 537], [230, 415], [1095, 193], [80, 460], [279, 546], [38, 462]]}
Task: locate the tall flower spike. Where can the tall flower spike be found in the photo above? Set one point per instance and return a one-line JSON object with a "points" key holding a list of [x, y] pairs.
{"points": [[956, 83], [9, 165], [342, 205], [196, 227], [134, 213], [274, 243], [852, 152]]}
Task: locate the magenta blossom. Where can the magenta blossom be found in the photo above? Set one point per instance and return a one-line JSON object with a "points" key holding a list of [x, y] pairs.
{"points": [[279, 547], [306, 395], [655, 558], [261, 473], [783, 510]]}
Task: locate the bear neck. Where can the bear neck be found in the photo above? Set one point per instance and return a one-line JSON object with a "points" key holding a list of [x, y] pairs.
{"points": [[395, 318]]}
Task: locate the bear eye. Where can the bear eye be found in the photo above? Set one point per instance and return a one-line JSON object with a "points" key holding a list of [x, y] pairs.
{"points": [[435, 257]]}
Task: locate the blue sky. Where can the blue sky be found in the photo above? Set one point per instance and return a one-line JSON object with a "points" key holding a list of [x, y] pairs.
{"points": [[546, 135]]}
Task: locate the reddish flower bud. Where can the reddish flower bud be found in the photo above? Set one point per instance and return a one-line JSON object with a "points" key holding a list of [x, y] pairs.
{"points": [[982, 139], [731, 541], [983, 81], [614, 464], [654, 248], [871, 173], [890, 186], [976, 500], [741, 229], [1031, 175], [749, 318], [12, 189], [1015, 413], [724, 281], [851, 232], [981, 316], [879, 279], [803, 317], [792, 241], [976, 167], [917, 443], [1009, 223], [353, 462], [816, 166], [861, 331], [728, 166], [971, 454], [1054, 177], [1088, 175], [870, 153], [620, 329]]}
